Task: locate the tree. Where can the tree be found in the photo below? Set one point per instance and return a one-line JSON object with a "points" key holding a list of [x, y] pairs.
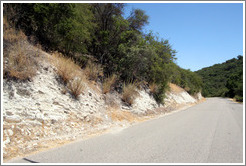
{"points": [[138, 19]]}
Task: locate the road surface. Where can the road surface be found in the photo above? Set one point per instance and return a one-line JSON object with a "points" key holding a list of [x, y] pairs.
{"points": [[210, 132]]}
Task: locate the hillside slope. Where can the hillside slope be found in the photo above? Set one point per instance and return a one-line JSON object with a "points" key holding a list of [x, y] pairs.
{"points": [[39, 113], [223, 80]]}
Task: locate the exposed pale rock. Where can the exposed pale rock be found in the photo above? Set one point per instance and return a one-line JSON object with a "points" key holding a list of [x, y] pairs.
{"points": [[10, 132], [12, 119], [9, 113], [7, 141], [143, 102]]}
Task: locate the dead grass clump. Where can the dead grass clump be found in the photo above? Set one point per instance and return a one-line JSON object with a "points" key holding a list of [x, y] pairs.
{"points": [[10, 34], [66, 68], [70, 73], [108, 82], [129, 93], [118, 115], [20, 64], [153, 88], [76, 86], [93, 70]]}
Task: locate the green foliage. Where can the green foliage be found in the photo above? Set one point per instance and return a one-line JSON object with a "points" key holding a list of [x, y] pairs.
{"points": [[224, 80], [159, 95], [186, 79], [57, 26], [100, 31], [138, 19]]}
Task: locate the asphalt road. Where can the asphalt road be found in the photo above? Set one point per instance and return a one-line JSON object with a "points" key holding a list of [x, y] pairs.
{"points": [[210, 132]]}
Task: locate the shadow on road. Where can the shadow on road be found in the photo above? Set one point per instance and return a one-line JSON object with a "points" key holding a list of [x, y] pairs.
{"points": [[30, 160]]}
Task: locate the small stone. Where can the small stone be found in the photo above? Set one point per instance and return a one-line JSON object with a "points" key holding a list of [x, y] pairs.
{"points": [[53, 121], [9, 113], [12, 119], [40, 117], [6, 141], [10, 132], [56, 103], [125, 108], [90, 94], [87, 119], [35, 144], [23, 92]]}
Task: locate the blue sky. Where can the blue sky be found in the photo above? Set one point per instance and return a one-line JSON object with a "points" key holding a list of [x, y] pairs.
{"points": [[203, 34]]}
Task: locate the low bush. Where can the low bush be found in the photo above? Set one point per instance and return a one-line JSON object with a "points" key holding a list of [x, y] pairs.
{"points": [[239, 98], [159, 94], [129, 93], [108, 82]]}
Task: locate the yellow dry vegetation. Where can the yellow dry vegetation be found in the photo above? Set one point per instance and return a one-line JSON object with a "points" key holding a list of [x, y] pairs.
{"points": [[10, 34], [129, 93], [117, 115], [108, 82], [175, 88], [153, 88], [66, 68], [69, 72], [20, 64], [93, 70]]}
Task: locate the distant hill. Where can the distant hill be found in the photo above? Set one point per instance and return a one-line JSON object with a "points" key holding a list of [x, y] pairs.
{"points": [[223, 80]]}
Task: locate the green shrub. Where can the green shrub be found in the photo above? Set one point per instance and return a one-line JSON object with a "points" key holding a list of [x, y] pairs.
{"points": [[159, 94], [239, 98]]}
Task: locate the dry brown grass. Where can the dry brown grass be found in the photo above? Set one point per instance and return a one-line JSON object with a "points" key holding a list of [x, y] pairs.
{"points": [[153, 88], [10, 34], [118, 115], [129, 93], [93, 70], [70, 73], [108, 82], [76, 86], [175, 88], [21, 65], [66, 68], [19, 62]]}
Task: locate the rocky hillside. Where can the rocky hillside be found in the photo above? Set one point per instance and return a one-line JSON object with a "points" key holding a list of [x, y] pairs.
{"points": [[41, 113]]}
